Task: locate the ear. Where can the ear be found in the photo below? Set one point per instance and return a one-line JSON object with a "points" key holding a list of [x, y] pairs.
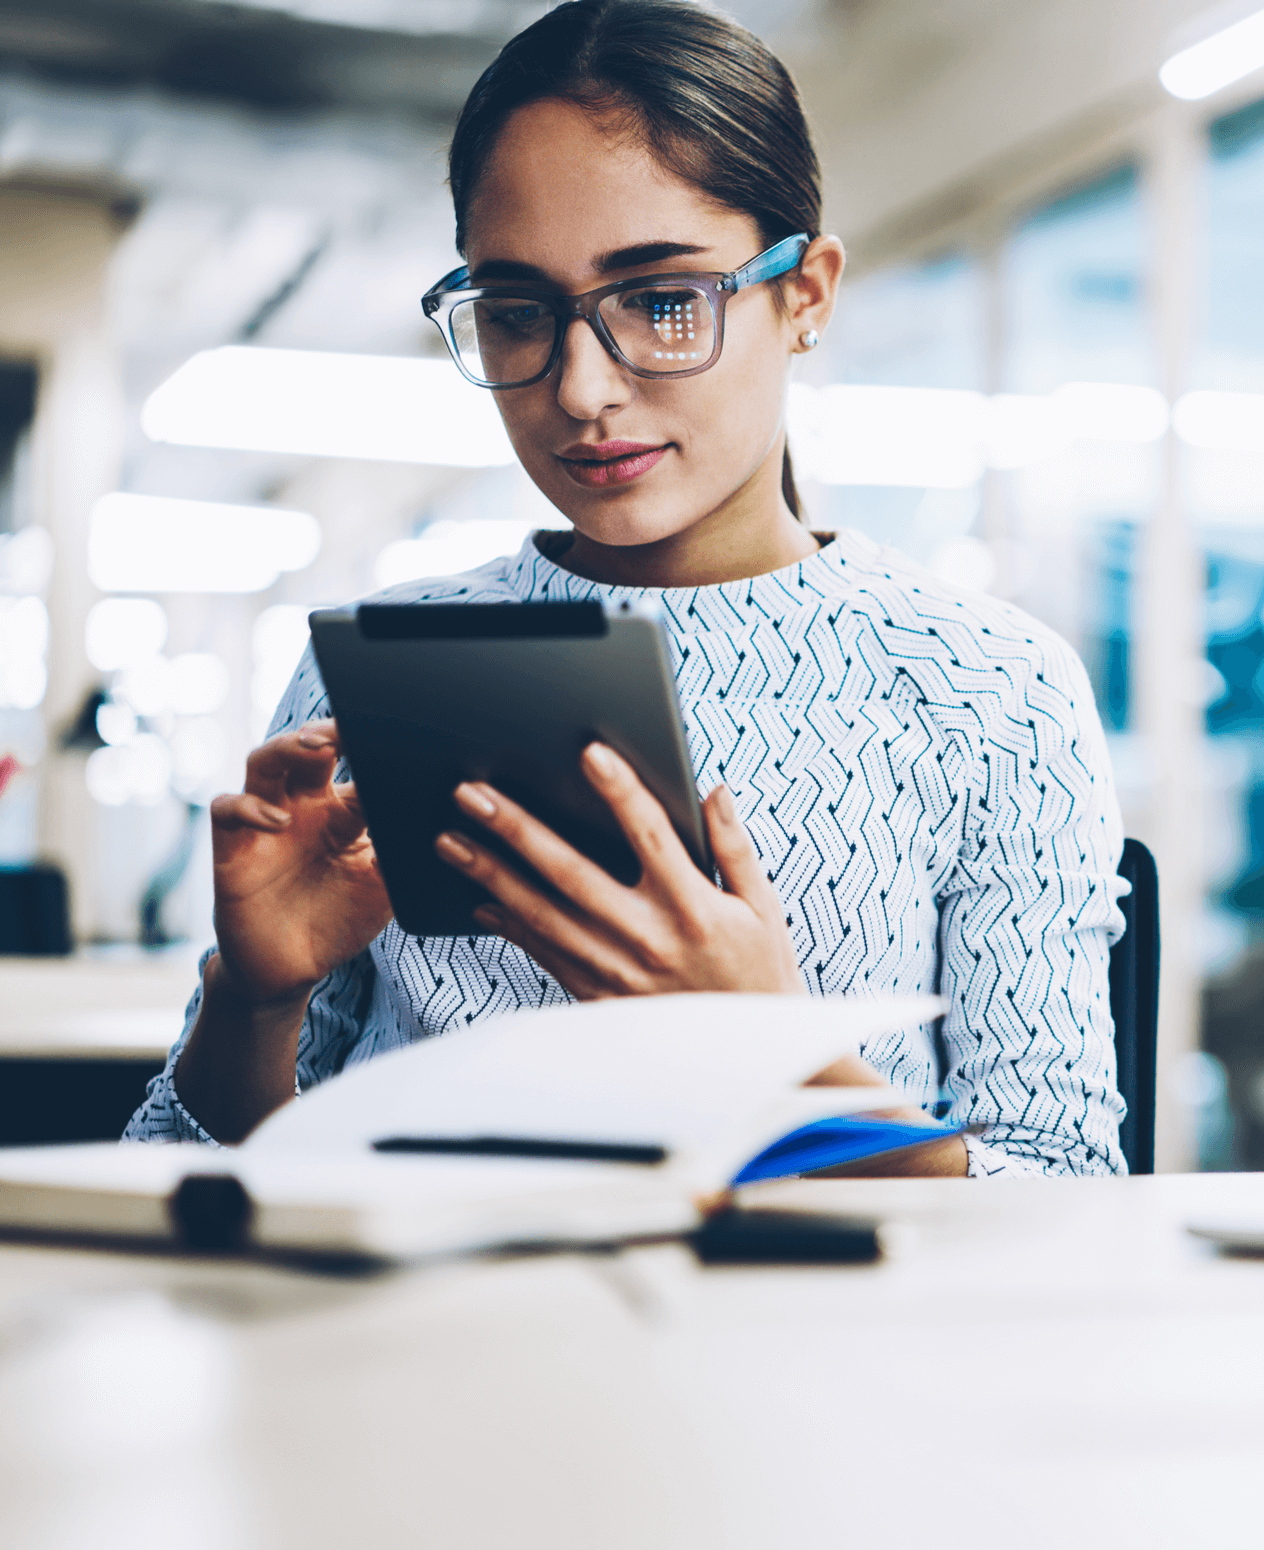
{"points": [[811, 294]]}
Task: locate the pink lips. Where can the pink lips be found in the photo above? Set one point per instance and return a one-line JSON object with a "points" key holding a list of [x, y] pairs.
{"points": [[609, 462]]}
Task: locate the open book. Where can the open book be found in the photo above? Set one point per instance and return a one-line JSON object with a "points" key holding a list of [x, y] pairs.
{"points": [[574, 1124]]}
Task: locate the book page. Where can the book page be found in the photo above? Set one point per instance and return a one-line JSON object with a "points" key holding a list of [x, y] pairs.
{"points": [[691, 1073]]}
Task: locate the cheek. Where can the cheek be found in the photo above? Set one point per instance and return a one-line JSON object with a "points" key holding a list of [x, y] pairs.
{"points": [[736, 408], [529, 416]]}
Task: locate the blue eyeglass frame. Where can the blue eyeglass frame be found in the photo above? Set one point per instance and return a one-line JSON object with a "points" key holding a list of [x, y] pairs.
{"points": [[442, 299]]}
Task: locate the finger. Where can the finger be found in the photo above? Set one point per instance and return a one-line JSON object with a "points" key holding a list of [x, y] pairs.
{"points": [[302, 760], [570, 975], [548, 922], [346, 816], [248, 811], [645, 825], [736, 858], [587, 885]]}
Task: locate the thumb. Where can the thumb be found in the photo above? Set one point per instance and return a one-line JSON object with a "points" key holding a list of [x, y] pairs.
{"points": [[740, 868]]}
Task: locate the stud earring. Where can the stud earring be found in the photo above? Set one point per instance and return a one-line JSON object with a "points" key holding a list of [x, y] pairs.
{"points": [[809, 339]]}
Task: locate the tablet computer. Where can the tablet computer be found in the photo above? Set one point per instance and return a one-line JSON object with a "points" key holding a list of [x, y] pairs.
{"points": [[427, 695]]}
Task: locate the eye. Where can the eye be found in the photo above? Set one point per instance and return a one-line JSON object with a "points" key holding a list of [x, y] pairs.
{"points": [[515, 314], [661, 304]]}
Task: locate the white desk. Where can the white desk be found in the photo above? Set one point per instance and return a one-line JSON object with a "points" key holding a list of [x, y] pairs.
{"points": [[1040, 1364], [115, 1005]]}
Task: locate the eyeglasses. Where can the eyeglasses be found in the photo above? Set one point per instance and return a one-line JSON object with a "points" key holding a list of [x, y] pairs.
{"points": [[662, 325]]}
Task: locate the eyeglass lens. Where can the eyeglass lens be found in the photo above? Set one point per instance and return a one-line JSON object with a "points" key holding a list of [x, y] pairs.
{"points": [[505, 339]]}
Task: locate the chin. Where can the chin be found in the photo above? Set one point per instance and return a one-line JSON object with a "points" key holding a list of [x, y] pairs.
{"points": [[621, 519], [625, 529]]}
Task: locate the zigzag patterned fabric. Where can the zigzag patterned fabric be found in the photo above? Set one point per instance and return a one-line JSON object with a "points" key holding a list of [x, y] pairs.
{"points": [[924, 774]]}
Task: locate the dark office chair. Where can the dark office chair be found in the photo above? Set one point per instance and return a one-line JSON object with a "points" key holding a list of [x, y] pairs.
{"points": [[1134, 1004], [34, 911]]}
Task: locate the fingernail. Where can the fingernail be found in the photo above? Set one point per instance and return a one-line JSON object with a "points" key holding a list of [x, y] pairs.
{"points": [[601, 759], [475, 799], [453, 848], [276, 814], [313, 735]]}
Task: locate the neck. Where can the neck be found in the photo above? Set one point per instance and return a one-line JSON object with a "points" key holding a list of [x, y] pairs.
{"points": [[752, 533]]}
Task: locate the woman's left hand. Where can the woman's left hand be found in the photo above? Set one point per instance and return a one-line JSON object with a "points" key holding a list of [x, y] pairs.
{"points": [[674, 931]]}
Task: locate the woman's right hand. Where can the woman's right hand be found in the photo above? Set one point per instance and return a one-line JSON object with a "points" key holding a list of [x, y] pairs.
{"points": [[297, 885]]}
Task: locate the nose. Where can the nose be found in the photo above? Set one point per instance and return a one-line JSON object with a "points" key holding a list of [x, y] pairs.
{"points": [[590, 381]]}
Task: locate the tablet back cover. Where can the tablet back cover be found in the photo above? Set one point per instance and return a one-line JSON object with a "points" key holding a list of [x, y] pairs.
{"points": [[429, 695]]}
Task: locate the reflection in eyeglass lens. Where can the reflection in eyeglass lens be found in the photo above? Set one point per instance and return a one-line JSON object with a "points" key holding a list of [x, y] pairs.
{"points": [[508, 339], [661, 329]]}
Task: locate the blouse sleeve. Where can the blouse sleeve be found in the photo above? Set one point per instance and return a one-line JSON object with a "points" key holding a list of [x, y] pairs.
{"points": [[337, 1012], [332, 1025], [1027, 919]]}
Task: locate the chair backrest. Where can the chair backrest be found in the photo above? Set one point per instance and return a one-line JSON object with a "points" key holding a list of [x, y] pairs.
{"points": [[34, 910], [1134, 1004]]}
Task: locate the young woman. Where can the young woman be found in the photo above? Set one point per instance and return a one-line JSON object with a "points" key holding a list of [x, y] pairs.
{"points": [[908, 785]]}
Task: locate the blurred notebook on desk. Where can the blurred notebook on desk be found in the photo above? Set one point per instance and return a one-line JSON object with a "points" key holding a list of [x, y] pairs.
{"points": [[574, 1124]]}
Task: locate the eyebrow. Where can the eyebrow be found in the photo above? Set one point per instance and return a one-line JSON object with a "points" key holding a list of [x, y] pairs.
{"points": [[606, 263]]}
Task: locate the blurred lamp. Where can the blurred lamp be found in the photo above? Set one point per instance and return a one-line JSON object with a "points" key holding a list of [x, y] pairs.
{"points": [[121, 630], [1217, 61], [386, 408], [149, 543]]}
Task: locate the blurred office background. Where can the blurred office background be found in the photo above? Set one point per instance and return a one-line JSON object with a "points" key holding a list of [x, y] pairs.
{"points": [[1046, 380]]}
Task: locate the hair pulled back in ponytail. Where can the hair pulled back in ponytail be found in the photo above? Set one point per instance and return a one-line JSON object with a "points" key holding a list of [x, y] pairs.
{"points": [[709, 100]]}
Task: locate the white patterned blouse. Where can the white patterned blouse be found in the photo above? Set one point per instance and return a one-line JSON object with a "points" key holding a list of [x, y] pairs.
{"points": [[924, 774]]}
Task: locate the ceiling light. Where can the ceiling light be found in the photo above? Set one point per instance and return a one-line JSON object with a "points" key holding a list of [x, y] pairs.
{"points": [[937, 438], [922, 437], [1217, 61], [384, 408], [148, 543], [1229, 421], [1112, 411]]}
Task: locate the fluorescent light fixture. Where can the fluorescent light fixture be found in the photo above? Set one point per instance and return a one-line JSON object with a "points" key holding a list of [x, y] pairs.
{"points": [[148, 543], [1022, 428], [936, 438], [420, 17], [1112, 411], [923, 437], [383, 408], [448, 548], [1232, 422], [1217, 61]]}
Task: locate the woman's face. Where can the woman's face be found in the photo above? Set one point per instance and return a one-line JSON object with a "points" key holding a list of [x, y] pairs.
{"points": [[568, 200]]}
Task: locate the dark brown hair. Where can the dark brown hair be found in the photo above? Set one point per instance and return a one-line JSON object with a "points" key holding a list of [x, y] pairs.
{"points": [[710, 101]]}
